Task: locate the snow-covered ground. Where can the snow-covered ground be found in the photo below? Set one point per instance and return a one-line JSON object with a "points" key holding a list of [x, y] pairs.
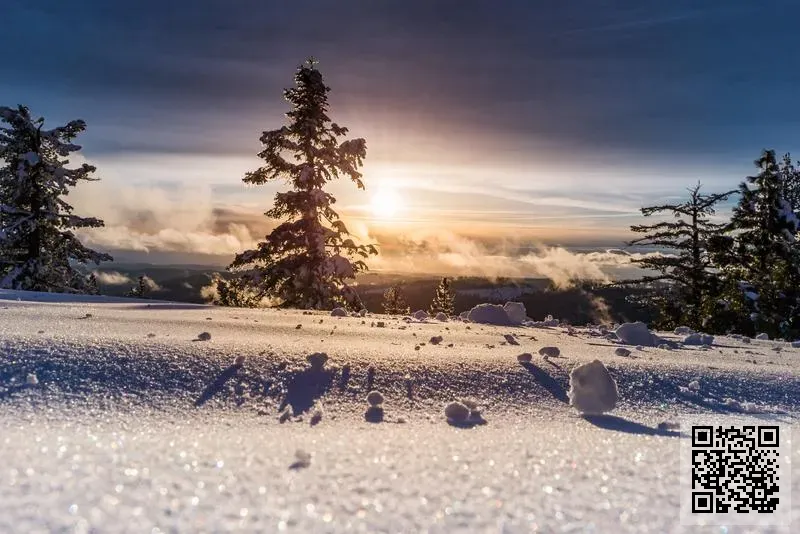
{"points": [[116, 416]]}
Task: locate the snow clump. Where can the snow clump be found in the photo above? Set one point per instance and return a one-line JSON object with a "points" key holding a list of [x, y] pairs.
{"points": [[763, 336], [375, 398], [622, 351], [317, 360], [203, 336], [698, 339], [338, 312], [525, 357], [683, 331], [516, 312], [636, 334], [420, 315], [239, 361], [435, 340], [456, 412], [489, 314], [550, 352], [32, 379], [592, 390], [694, 385], [441, 316]]}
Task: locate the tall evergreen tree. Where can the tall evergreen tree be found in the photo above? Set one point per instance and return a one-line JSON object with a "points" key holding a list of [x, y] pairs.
{"points": [[685, 288], [394, 301], [760, 253], [444, 298], [309, 259], [38, 250]]}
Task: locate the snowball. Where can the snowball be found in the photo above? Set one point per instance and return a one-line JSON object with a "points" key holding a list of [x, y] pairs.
{"points": [[435, 340], [31, 379], [489, 314], [763, 336], [516, 312], [683, 331], [635, 334], [510, 339], [698, 339], [375, 398], [203, 336], [694, 385], [592, 390], [317, 360], [550, 352], [525, 357], [456, 412], [622, 351], [441, 316], [420, 315], [339, 312]]}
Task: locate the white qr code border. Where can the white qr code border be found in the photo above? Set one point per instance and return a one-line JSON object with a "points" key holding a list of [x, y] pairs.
{"points": [[781, 517]]}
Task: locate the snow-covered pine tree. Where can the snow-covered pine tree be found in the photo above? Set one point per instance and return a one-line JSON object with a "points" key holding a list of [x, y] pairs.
{"points": [[394, 301], [38, 250], [762, 257], [444, 298], [309, 259], [685, 290], [142, 288]]}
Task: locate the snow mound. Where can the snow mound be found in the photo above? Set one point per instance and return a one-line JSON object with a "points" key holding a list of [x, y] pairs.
{"points": [[338, 312], [525, 357], [420, 315], [441, 316], [698, 339], [636, 334], [683, 331], [549, 322], [489, 314], [592, 390], [763, 336], [550, 352], [516, 312]]}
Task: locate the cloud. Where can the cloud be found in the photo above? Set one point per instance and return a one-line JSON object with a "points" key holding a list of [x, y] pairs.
{"points": [[149, 218], [112, 278], [447, 253]]}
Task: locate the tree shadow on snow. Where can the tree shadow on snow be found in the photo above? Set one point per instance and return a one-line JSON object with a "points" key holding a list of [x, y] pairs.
{"points": [[219, 382], [620, 424], [305, 388], [548, 382]]}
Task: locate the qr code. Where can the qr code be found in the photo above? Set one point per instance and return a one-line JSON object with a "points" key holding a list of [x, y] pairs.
{"points": [[735, 469]]}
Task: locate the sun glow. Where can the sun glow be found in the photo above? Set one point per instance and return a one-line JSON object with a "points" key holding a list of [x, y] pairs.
{"points": [[385, 203]]}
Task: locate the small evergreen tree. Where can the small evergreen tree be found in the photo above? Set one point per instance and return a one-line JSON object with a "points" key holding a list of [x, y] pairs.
{"points": [[92, 287], [685, 289], [38, 249], [394, 301], [759, 254], [444, 298], [142, 288], [306, 262], [233, 293]]}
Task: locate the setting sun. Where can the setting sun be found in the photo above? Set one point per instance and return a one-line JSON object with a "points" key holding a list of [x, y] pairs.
{"points": [[385, 203]]}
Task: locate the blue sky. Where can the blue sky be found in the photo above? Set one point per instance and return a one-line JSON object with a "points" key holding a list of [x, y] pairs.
{"points": [[496, 122]]}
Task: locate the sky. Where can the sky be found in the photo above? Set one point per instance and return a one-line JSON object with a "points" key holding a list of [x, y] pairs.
{"points": [[492, 128]]}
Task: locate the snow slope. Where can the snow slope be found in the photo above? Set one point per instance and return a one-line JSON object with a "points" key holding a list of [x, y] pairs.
{"points": [[136, 425]]}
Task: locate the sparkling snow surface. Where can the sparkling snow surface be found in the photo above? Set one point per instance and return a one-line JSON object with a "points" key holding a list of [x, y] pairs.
{"points": [[134, 425]]}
